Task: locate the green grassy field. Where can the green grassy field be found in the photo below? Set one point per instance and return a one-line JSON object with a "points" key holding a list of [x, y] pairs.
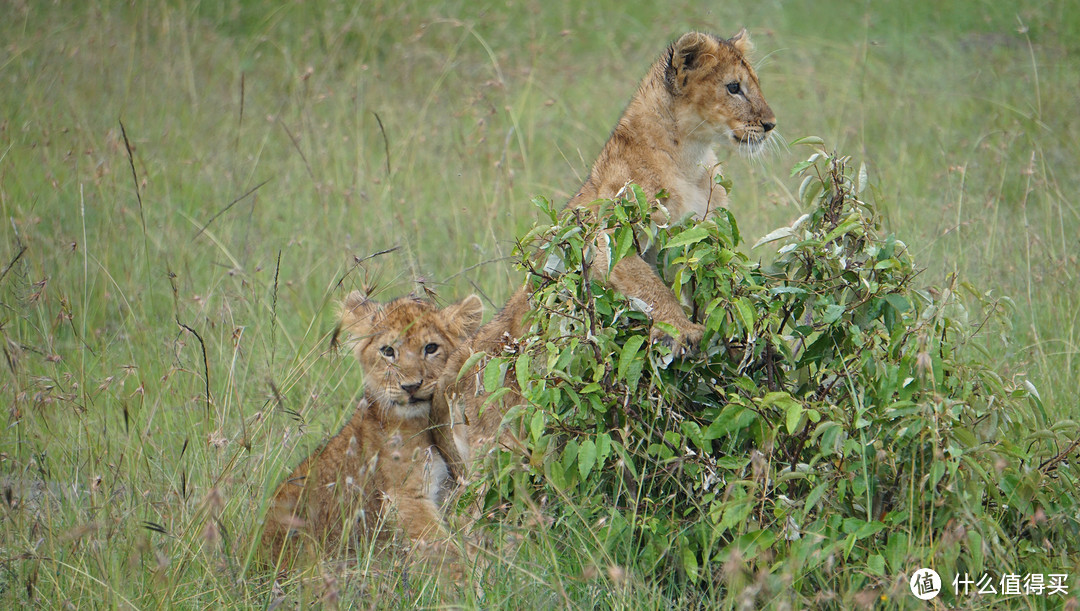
{"points": [[165, 314]]}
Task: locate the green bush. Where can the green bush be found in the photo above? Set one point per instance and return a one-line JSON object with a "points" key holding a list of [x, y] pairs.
{"points": [[836, 431]]}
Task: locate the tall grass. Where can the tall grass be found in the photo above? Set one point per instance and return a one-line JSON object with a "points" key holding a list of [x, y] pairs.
{"points": [[165, 302]]}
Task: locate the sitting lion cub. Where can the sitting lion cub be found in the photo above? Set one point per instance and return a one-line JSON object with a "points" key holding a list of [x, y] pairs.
{"points": [[382, 469]]}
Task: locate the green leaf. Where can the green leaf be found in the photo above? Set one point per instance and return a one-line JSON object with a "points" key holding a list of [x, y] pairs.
{"points": [[975, 547], [693, 431], [832, 437], [813, 498], [689, 563], [809, 141], [737, 511], [545, 206], [799, 167], [628, 354], [556, 474], [470, 363], [624, 241], [693, 235], [591, 388], [626, 457], [586, 457], [897, 550], [869, 529], [900, 303], [732, 418], [494, 372], [569, 454], [848, 226], [780, 399], [754, 541], [536, 426], [493, 397], [810, 188], [521, 369], [736, 236], [726, 183], [852, 525], [603, 447], [937, 470], [788, 290], [876, 564], [732, 463], [833, 313], [794, 413], [745, 311], [774, 235]]}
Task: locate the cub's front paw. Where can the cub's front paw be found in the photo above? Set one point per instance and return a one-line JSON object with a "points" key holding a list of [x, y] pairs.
{"points": [[684, 343]]}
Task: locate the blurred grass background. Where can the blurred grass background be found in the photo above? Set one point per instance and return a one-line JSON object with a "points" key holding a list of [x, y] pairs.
{"points": [[278, 145]]}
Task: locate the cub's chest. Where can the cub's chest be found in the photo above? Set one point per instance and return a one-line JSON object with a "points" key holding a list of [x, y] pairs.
{"points": [[412, 464], [691, 189]]}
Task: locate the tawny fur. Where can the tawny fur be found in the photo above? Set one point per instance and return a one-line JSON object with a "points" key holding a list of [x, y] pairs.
{"points": [[382, 471], [663, 142]]}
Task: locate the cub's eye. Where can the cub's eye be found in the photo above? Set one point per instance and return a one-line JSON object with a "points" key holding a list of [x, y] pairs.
{"points": [[733, 88], [387, 351], [431, 348]]}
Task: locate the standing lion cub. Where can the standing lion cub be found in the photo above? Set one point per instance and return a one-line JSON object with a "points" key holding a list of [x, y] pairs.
{"points": [[382, 470], [702, 91]]}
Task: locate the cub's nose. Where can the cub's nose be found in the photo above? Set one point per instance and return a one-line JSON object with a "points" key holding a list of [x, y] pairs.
{"points": [[411, 388], [768, 125]]}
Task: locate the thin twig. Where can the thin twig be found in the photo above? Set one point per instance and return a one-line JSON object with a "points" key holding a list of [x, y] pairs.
{"points": [[476, 287], [280, 402], [474, 266], [358, 261], [386, 142], [134, 176], [206, 361], [296, 145], [138, 197], [18, 255], [226, 208], [240, 122], [273, 308], [1051, 464]]}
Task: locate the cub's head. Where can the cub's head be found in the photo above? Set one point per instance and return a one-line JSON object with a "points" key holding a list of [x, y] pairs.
{"points": [[403, 345], [716, 91]]}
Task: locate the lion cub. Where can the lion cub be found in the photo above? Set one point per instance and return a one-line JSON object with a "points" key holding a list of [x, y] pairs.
{"points": [[383, 469], [702, 91]]}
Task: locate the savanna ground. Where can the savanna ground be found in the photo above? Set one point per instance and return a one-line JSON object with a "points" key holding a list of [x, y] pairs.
{"points": [[166, 335]]}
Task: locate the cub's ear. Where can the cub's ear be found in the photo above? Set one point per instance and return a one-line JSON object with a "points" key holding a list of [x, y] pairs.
{"points": [[686, 55], [464, 316], [358, 315], [688, 49], [741, 42]]}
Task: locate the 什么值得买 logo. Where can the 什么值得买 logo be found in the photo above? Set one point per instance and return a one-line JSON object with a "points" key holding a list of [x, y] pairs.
{"points": [[925, 584]]}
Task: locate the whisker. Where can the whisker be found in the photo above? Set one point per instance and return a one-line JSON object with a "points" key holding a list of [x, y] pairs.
{"points": [[770, 148], [762, 61], [697, 126], [780, 141]]}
